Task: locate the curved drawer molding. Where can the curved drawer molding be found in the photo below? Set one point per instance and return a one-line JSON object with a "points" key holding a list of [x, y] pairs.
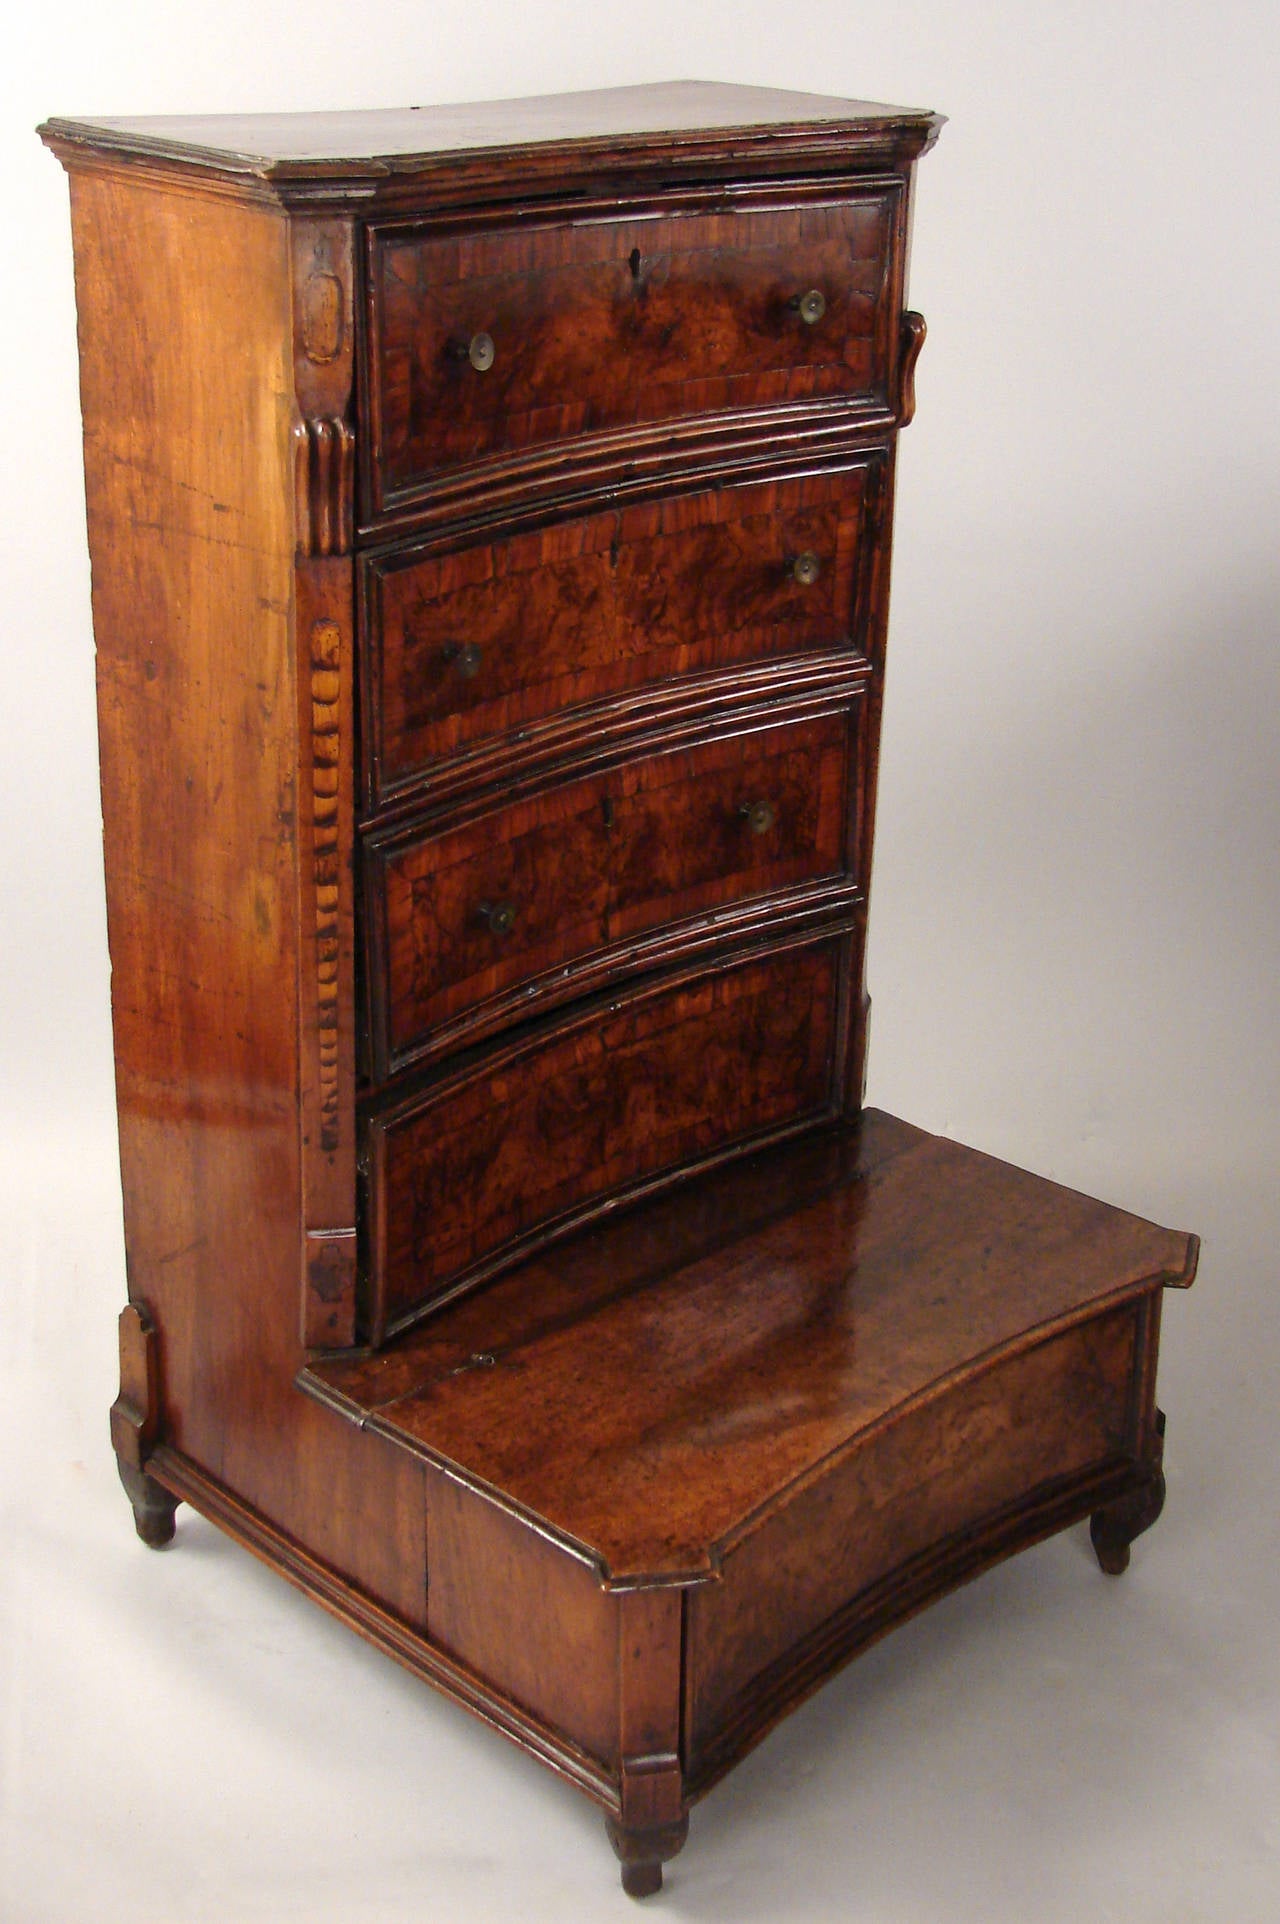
{"points": [[516, 647], [514, 909]]}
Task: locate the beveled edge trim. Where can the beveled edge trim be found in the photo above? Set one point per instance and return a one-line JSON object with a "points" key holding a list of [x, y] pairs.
{"points": [[335, 1593], [617, 463], [895, 139], [685, 711], [388, 1108], [698, 451]]}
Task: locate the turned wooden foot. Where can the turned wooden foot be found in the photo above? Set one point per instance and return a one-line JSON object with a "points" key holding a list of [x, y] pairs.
{"points": [[153, 1507], [642, 1853], [1114, 1527]]}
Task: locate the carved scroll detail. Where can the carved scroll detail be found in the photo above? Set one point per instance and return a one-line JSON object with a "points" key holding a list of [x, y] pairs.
{"points": [[324, 466], [913, 333], [326, 746]]}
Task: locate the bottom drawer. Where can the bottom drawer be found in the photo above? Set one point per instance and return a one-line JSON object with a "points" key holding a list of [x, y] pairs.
{"points": [[474, 1169]]}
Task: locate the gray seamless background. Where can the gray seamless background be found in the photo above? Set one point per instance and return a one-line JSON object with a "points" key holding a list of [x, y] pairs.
{"points": [[1073, 960]]}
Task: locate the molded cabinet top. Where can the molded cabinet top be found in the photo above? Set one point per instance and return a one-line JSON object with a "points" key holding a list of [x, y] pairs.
{"points": [[666, 117]]}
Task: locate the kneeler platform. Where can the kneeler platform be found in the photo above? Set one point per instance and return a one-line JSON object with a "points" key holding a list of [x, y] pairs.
{"points": [[683, 1465]]}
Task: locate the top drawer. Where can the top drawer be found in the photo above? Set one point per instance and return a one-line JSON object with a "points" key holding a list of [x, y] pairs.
{"points": [[523, 332]]}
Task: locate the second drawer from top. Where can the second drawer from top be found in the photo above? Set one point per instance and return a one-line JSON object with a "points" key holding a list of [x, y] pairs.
{"points": [[522, 647]]}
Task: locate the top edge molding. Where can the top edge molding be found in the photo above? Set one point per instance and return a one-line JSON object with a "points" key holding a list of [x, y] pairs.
{"points": [[360, 155]]}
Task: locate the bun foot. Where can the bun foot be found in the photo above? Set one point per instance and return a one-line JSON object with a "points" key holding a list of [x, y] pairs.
{"points": [[641, 1880], [153, 1507], [642, 1853], [1114, 1527], [1111, 1546]]}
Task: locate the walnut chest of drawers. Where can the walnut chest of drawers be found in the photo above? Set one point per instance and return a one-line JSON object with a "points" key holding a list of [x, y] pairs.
{"points": [[490, 516]]}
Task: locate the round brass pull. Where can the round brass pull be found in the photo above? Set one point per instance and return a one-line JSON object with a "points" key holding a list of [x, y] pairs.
{"points": [[500, 916], [806, 568], [479, 350], [465, 656], [759, 816], [810, 306]]}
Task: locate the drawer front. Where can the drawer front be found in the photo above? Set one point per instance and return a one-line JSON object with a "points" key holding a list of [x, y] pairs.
{"points": [[545, 1131], [513, 336], [525, 905], [487, 643]]}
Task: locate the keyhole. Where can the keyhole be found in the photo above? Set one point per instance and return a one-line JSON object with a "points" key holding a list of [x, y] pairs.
{"points": [[635, 263]]}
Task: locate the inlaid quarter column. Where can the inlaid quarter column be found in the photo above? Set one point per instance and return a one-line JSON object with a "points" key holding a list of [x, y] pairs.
{"points": [[324, 479]]}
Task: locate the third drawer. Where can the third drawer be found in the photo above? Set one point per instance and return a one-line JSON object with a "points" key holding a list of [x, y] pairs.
{"points": [[480, 918]]}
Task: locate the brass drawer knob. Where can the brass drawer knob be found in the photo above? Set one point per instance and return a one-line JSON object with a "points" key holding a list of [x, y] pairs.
{"points": [[465, 656], [759, 816], [500, 916], [479, 350], [806, 568], [810, 306]]}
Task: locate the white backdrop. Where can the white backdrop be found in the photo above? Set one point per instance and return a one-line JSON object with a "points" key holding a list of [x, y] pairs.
{"points": [[1073, 963]]}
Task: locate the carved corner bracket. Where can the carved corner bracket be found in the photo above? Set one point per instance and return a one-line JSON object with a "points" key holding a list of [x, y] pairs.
{"points": [[1114, 1527], [135, 1414], [135, 1426], [909, 346], [324, 476], [323, 275]]}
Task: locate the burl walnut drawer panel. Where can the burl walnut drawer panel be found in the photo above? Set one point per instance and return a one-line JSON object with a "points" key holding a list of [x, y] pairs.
{"points": [[468, 1172], [494, 643], [527, 902], [529, 332]]}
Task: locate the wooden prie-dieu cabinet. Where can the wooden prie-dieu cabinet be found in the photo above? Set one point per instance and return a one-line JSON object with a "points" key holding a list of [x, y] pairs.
{"points": [[490, 516]]}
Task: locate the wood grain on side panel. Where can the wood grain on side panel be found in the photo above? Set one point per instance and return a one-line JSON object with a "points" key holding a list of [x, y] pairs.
{"points": [[188, 400]]}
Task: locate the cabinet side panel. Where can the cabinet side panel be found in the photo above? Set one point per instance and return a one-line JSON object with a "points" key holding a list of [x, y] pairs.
{"points": [[187, 394]]}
